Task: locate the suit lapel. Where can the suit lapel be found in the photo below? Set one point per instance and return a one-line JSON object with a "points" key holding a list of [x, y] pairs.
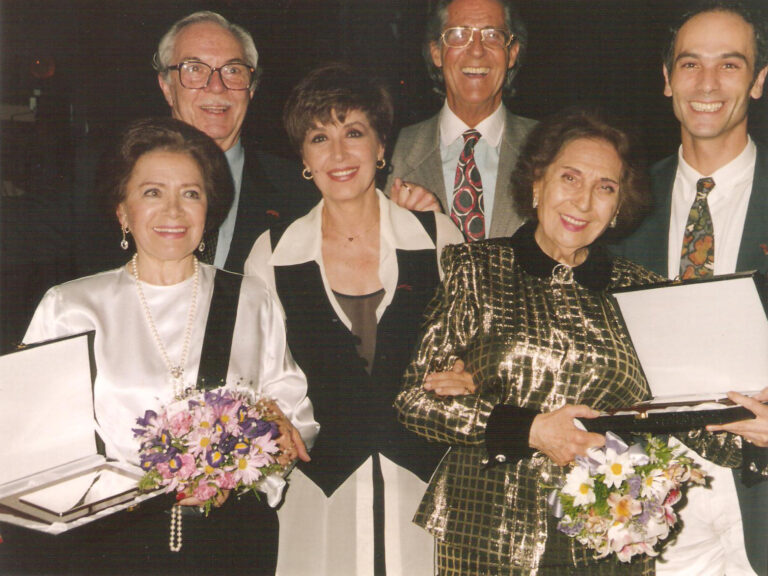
{"points": [[505, 220], [247, 223], [424, 156], [753, 250]]}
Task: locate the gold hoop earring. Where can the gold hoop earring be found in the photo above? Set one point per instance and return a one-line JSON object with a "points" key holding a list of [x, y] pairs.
{"points": [[381, 163], [306, 174], [201, 246], [124, 241]]}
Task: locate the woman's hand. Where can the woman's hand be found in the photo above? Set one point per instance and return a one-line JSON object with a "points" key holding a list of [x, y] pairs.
{"points": [[413, 197], [290, 441], [555, 434], [454, 382], [752, 430], [221, 497]]}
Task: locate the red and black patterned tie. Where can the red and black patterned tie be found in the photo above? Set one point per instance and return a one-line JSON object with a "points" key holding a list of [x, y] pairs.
{"points": [[467, 210], [697, 258]]}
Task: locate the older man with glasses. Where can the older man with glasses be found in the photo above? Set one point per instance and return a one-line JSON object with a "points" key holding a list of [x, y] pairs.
{"points": [[465, 154], [208, 72]]}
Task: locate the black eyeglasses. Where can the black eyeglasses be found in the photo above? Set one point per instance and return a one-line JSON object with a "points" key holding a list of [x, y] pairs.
{"points": [[196, 75], [462, 36]]}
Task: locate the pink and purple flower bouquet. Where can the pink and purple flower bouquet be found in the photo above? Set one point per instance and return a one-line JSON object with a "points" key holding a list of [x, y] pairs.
{"points": [[214, 440], [621, 498]]}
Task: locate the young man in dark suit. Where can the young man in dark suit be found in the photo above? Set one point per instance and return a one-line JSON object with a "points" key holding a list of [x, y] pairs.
{"points": [[716, 63]]}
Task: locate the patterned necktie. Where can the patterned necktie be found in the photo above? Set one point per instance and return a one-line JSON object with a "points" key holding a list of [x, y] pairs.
{"points": [[467, 211], [211, 238], [697, 259]]}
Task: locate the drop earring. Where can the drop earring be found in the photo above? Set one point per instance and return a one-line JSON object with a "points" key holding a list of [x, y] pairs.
{"points": [[124, 241], [535, 200]]}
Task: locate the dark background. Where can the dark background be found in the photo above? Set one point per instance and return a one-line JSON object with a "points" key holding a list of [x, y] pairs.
{"points": [[91, 62], [580, 51]]}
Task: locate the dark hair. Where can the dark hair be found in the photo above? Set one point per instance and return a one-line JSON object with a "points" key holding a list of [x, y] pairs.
{"points": [[169, 135], [751, 16], [336, 88], [435, 24], [549, 137]]}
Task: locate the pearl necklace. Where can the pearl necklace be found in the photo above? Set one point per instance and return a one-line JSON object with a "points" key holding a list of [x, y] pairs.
{"points": [[176, 371], [174, 541]]}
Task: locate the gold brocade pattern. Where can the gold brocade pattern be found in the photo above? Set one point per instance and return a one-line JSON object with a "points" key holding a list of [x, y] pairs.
{"points": [[535, 342]]}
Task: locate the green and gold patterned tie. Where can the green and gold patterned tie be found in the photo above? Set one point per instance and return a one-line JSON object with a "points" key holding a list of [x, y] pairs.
{"points": [[697, 259]]}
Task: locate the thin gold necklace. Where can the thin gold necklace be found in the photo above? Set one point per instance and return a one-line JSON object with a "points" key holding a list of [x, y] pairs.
{"points": [[350, 237]]}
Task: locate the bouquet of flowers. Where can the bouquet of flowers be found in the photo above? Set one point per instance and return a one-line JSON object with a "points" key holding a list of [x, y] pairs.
{"points": [[621, 498], [223, 439]]}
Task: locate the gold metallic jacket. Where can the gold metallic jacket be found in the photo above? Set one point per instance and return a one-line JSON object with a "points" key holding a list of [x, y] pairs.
{"points": [[535, 334]]}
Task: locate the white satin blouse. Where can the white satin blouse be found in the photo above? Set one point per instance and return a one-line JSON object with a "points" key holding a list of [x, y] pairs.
{"points": [[132, 375]]}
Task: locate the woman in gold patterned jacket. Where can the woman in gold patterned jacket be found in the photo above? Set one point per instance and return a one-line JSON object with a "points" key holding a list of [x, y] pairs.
{"points": [[525, 323]]}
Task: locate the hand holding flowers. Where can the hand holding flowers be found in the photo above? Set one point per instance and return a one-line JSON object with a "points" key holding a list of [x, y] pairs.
{"points": [[621, 498], [213, 442]]}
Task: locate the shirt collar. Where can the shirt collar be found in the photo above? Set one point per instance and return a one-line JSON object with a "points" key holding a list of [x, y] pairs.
{"points": [[302, 240], [452, 127], [235, 157], [594, 273], [726, 177]]}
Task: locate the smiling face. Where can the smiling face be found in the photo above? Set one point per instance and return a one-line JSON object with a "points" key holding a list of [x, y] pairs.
{"points": [[474, 75], [215, 110], [578, 196], [712, 79], [164, 207], [342, 156]]}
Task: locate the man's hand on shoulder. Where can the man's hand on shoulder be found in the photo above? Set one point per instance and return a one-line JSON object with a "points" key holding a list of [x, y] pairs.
{"points": [[414, 197]]}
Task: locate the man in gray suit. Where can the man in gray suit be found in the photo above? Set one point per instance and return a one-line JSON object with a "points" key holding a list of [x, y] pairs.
{"points": [[716, 63], [473, 49]]}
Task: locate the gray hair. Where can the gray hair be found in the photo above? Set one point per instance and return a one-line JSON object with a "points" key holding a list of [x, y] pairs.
{"points": [[162, 58], [435, 24]]}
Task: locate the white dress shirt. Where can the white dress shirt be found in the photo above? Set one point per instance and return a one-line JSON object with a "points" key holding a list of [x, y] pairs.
{"points": [[487, 151], [712, 540], [728, 202]]}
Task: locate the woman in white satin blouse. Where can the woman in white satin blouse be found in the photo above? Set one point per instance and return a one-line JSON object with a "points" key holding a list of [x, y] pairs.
{"points": [[163, 323]]}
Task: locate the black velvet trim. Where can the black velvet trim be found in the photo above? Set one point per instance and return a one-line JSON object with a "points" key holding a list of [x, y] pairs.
{"points": [[507, 433], [594, 273]]}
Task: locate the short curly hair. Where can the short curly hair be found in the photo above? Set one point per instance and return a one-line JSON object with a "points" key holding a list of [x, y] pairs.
{"points": [[549, 137], [336, 88], [170, 135]]}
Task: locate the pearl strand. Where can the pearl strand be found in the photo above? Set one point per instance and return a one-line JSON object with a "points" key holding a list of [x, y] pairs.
{"points": [[174, 542], [177, 372]]}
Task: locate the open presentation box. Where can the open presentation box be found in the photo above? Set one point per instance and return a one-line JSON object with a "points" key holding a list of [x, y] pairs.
{"points": [[696, 340], [54, 477]]}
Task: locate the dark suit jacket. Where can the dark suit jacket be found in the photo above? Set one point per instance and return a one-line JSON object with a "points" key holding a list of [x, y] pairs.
{"points": [[649, 246], [416, 158], [272, 191]]}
